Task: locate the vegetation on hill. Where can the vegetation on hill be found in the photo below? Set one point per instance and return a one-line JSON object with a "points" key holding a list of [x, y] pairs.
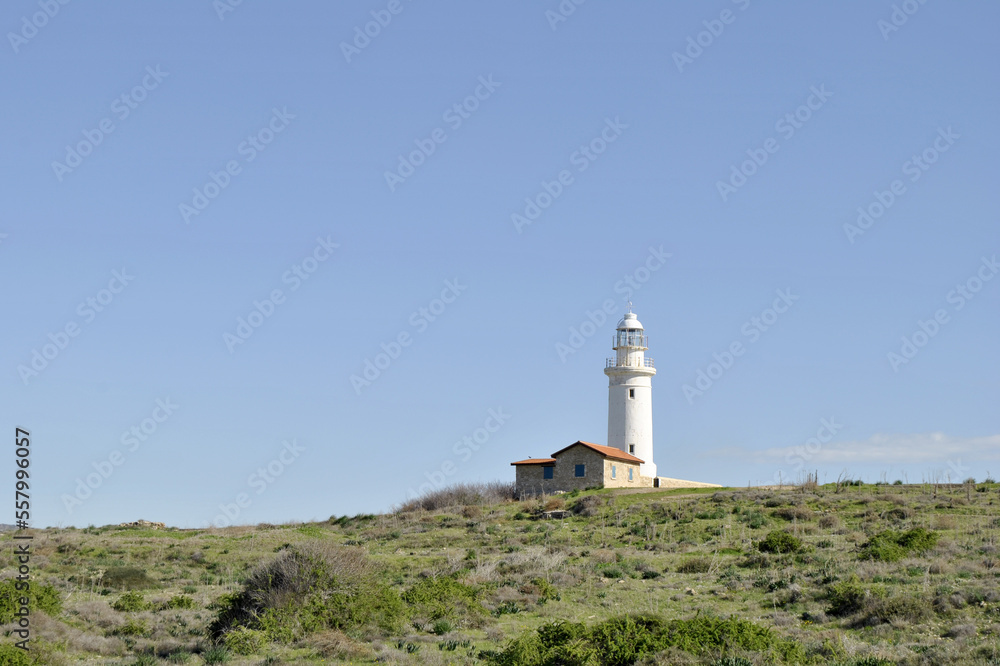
{"points": [[851, 574]]}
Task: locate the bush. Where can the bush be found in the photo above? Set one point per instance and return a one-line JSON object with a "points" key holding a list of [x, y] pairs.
{"points": [[849, 596], [829, 522], [694, 565], [462, 494], [779, 542], [889, 546], [244, 641], [587, 506], [43, 598], [443, 597], [127, 578], [794, 513], [624, 640], [307, 588], [181, 601], [217, 655], [441, 627], [14, 656], [130, 602], [753, 519], [880, 609], [132, 628]]}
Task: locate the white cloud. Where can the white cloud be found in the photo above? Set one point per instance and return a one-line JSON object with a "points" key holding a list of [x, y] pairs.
{"points": [[896, 449]]}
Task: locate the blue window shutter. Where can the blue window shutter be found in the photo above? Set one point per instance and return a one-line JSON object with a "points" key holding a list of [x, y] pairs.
{"points": [[581, 470]]}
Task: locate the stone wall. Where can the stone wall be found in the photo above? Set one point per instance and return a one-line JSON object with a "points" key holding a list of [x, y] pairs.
{"points": [[621, 475], [528, 481], [565, 473]]}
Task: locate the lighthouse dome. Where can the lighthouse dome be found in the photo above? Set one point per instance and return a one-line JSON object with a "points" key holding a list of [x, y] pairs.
{"points": [[629, 322]]}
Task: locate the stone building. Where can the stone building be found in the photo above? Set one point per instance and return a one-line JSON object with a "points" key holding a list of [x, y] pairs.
{"points": [[580, 465]]}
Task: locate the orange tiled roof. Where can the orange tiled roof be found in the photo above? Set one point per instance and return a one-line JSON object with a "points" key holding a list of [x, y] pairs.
{"points": [[535, 461], [606, 451]]}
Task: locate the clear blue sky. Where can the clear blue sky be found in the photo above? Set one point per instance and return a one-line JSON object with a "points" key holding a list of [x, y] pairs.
{"points": [[641, 138]]}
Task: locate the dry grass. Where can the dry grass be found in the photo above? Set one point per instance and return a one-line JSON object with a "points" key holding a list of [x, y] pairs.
{"points": [[464, 494], [333, 644]]}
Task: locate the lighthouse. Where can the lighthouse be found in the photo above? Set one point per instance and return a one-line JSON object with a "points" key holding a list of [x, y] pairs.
{"points": [[630, 388]]}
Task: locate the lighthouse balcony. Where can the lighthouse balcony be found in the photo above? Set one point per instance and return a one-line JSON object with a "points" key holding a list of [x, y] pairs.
{"points": [[625, 363]]}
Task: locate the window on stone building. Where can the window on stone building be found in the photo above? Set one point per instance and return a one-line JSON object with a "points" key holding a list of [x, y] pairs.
{"points": [[631, 393], [581, 470], [613, 471], [629, 473], [547, 472], [631, 448]]}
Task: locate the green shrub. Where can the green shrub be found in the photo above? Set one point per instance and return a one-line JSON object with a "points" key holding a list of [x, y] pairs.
{"points": [[779, 542], [624, 640], [308, 588], [544, 589], [14, 656], [561, 632], [132, 627], [849, 596], [181, 601], [442, 597], [43, 598], [890, 546], [711, 514], [217, 655], [507, 608], [753, 518], [244, 641], [127, 578], [130, 602], [441, 627], [694, 565]]}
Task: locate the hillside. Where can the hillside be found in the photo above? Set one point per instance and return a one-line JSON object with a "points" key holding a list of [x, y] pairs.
{"points": [[856, 574]]}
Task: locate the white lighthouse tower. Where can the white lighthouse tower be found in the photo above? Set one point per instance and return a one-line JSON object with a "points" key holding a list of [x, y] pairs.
{"points": [[630, 399]]}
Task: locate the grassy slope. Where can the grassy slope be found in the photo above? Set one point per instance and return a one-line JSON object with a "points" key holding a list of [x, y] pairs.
{"points": [[675, 553]]}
